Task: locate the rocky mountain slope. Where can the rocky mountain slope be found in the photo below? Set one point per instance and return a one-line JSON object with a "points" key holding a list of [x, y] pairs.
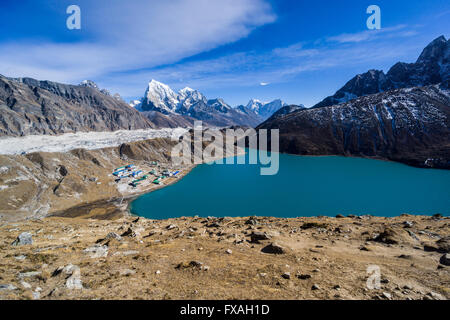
{"points": [[191, 105], [29, 106], [407, 125], [42, 183], [432, 67]]}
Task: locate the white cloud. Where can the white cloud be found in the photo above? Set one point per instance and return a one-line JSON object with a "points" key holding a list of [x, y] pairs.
{"points": [[280, 65], [144, 34]]}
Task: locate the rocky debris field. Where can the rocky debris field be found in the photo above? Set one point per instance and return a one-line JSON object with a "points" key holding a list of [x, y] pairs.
{"points": [[226, 258]]}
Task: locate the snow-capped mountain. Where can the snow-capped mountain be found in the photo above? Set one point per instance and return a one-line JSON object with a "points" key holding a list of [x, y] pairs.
{"points": [[188, 97], [192, 105], [265, 109], [159, 97], [135, 104], [432, 67]]}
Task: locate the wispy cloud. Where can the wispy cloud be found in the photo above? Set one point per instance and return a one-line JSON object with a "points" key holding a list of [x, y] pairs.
{"points": [[146, 34], [367, 35], [280, 65]]}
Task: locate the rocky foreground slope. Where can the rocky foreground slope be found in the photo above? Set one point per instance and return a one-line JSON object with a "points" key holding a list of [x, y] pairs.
{"points": [[407, 125], [29, 106], [226, 258]]}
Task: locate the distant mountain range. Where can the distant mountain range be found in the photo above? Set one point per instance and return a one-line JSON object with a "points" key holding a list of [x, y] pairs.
{"points": [[161, 102], [402, 116]]}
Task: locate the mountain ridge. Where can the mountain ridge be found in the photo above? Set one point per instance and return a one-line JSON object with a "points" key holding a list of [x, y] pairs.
{"points": [[431, 67], [30, 106], [191, 105]]}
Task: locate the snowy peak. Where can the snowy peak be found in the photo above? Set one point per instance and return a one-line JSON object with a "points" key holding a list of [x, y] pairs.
{"points": [[89, 84], [158, 96], [187, 97], [219, 105], [436, 51], [265, 109]]}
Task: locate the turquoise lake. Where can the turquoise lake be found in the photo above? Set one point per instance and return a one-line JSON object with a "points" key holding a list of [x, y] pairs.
{"points": [[304, 186]]}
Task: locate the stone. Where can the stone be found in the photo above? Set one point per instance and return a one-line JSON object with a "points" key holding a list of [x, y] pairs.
{"points": [[339, 216], [286, 275], [171, 226], [96, 251], [304, 276], [252, 221], [315, 287], [388, 236], [73, 282], [445, 259], [256, 236], [229, 251], [113, 235], [435, 296], [24, 238], [214, 225], [127, 272], [129, 233], [26, 285], [273, 248], [7, 287], [407, 287], [408, 224], [443, 245], [387, 295], [29, 274]]}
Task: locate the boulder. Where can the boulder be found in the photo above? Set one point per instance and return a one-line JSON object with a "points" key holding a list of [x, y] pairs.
{"points": [[97, 251], [23, 239], [129, 233], [257, 236], [445, 259], [443, 245], [388, 236], [273, 248]]}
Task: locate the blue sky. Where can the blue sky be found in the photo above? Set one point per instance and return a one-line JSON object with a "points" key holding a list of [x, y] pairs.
{"points": [[299, 51]]}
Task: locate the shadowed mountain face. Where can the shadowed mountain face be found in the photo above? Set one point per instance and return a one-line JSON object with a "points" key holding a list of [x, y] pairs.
{"points": [[29, 106], [432, 67], [407, 125]]}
